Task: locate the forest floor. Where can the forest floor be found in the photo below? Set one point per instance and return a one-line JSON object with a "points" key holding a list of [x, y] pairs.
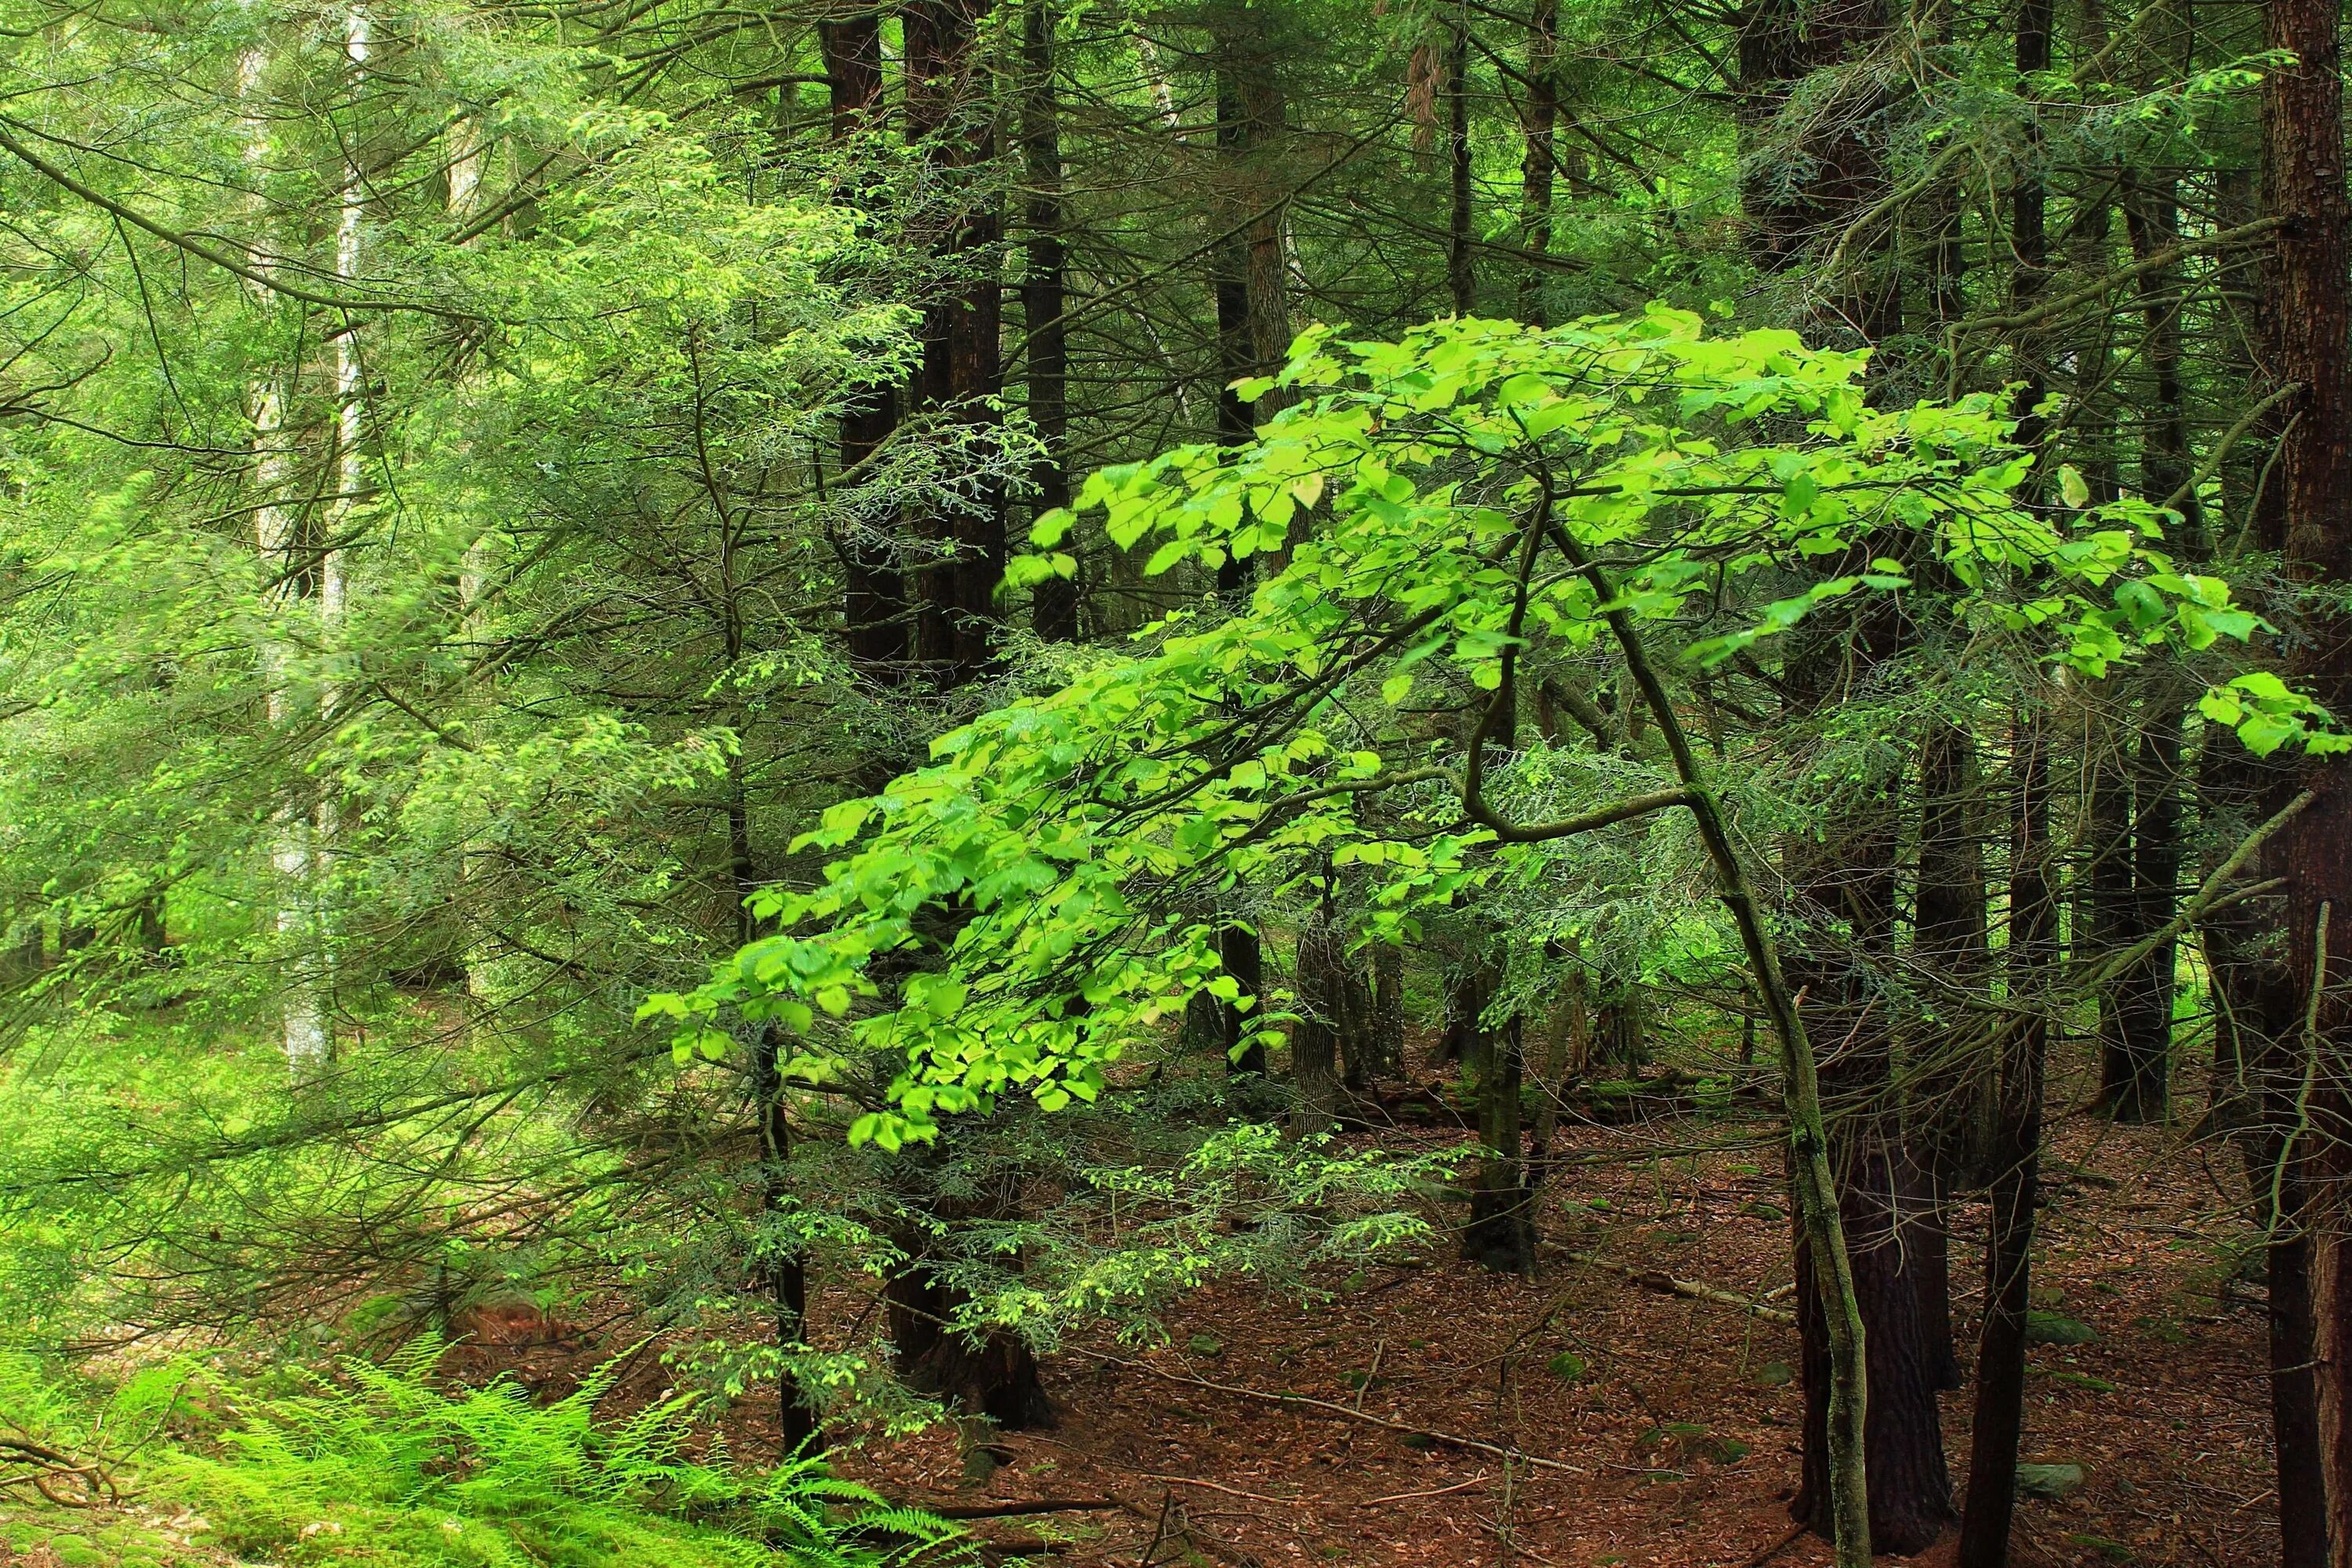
{"points": [[1439, 1416], [1630, 1425]]}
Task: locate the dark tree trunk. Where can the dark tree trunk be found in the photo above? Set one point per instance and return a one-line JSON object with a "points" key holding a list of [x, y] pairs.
{"points": [[2310, 312], [1501, 1234], [1229, 283], [1324, 1006], [1771, 59], [2108, 913], [1845, 891], [1461, 266], [1621, 1032], [1464, 1037], [1953, 1104], [1539, 168], [874, 591], [1243, 957], [951, 118], [783, 1270], [990, 1374], [2033, 963], [1053, 608], [1388, 1009]]}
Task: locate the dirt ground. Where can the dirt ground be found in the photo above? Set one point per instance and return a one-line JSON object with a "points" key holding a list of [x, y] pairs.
{"points": [[1626, 1425]]}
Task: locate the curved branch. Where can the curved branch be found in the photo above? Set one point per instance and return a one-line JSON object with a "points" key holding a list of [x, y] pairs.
{"points": [[200, 250]]}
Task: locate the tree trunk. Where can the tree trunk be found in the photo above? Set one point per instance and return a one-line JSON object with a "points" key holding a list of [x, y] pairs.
{"points": [[2033, 962], [1847, 886], [991, 1374], [2311, 316], [948, 116], [1243, 957], [1539, 170], [1388, 1007], [1053, 608], [1323, 1023], [1461, 267], [2108, 911], [1952, 1106], [873, 590], [783, 1271], [1501, 1233]]}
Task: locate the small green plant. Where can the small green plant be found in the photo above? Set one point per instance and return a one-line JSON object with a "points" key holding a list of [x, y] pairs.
{"points": [[386, 1466]]}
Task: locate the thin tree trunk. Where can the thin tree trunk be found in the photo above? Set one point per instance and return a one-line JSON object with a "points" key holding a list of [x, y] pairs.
{"points": [[1323, 1008], [1815, 1182], [2033, 960], [1461, 235], [873, 590], [1953, 1105], [1054, 609], [1539, 170], [278, 542]]}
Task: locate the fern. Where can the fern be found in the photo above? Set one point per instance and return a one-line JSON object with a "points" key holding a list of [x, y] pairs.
{"points": [[384, 1466]]}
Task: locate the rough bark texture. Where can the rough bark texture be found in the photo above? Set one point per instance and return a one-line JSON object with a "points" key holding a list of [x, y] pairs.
{"points": [[873, 590], [1053, 608], [1500, 1235], [2033, 963], [949, 117], [2310, 310], [1324, 1008], [1243, 957], [1461, 269], [990, 1374], [1953, 1106], [1848, 884], [1538, 168]]}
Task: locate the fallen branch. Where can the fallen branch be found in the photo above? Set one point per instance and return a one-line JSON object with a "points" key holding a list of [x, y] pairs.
{"points": [[1476, 1480], [56, 1476], [1012, 1510], [1775, 1546], [1301, 1400], [1221, 1486], [1216, 1544], [1694, 1289]]}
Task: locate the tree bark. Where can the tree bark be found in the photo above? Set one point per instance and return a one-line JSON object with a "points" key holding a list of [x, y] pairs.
{"points": [[1501, 1234], [1323, 1022], [1054, 607], [2311, 315], [1953, 1106], [1461, 265], [874, 589], [1848, 884], [1539, 170], [949, 117], [2033, 961]]}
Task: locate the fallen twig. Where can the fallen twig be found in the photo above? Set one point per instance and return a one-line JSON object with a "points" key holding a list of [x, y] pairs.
{"points": [[1693, 1289], [1778, 1544], [1478, 1481], [1302, 1401], [1008, 1509], [1221, 1486]]}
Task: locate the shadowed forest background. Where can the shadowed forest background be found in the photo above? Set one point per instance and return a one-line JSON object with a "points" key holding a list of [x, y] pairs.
{"points": [[1246, 781]]}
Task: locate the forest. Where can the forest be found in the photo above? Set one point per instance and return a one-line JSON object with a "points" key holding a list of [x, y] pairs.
{"points": [[879, 783]]}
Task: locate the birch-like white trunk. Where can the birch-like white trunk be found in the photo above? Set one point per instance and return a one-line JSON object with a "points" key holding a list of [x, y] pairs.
{"points": [[302, 1018]]}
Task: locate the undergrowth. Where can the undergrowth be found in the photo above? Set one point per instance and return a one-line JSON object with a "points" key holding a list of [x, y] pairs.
{"points": [[383, 1464]]}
